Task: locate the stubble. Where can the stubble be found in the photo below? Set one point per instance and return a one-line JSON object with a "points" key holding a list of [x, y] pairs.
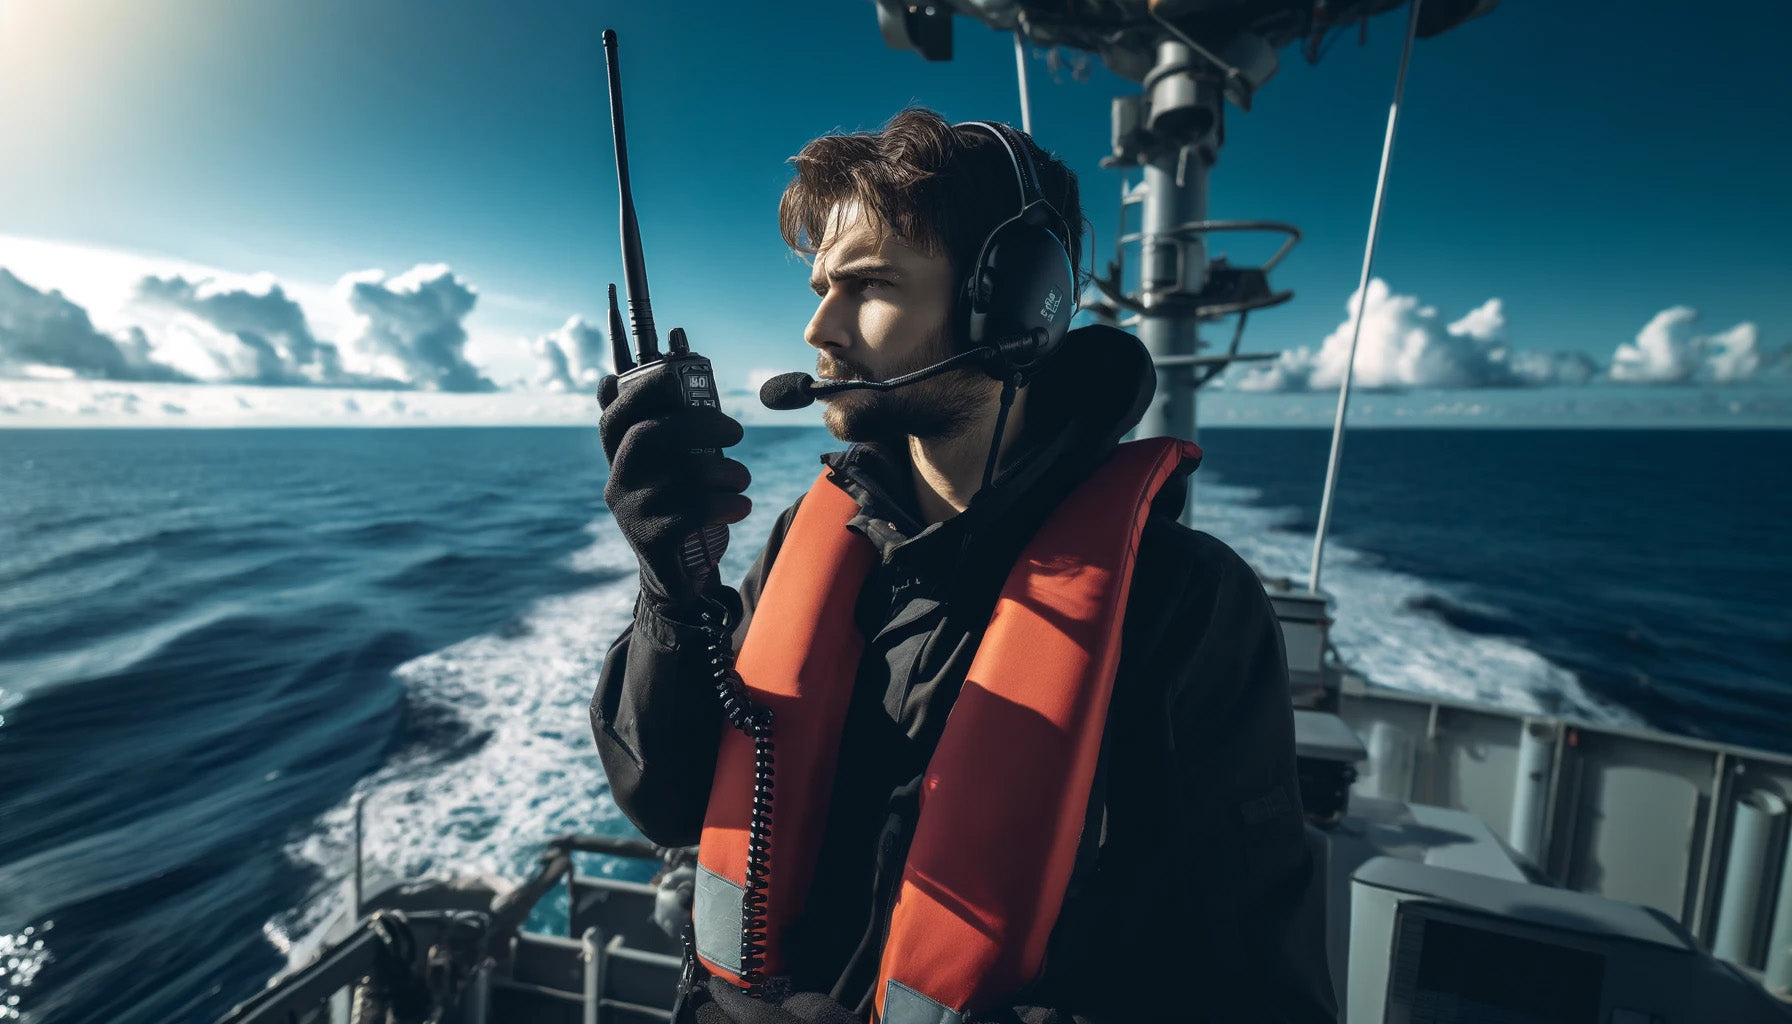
{"points": [[934, 409]]}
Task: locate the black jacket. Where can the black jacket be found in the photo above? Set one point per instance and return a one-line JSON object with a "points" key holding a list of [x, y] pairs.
{"points": [[1187, 904]]}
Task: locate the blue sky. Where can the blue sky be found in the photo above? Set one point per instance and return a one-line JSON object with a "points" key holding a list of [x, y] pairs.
{"points": [[1588, 170]]}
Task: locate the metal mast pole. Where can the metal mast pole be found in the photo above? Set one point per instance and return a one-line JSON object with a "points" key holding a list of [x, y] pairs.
{"points": [[1168, 264], [1362, 300], [1173, 259]]}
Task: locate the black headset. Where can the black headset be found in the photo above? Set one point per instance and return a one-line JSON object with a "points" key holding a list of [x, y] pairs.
{"points": [[1022, 282]]}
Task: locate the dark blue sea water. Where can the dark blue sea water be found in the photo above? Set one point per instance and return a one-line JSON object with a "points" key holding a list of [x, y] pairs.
{"points": [[213, 642]]}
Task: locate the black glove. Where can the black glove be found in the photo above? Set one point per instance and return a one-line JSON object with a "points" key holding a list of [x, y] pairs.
{"points": [[659, 491], [729, 1005]]}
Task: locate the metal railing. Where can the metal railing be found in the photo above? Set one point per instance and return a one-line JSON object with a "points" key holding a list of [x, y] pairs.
{"points": [[421, 965]]}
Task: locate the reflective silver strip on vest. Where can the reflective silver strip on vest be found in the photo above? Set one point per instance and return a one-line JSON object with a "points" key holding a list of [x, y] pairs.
{"points": [[903, 1005], [715, 911]]}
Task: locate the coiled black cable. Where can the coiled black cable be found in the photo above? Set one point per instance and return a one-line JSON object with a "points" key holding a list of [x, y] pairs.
{"points": [[756, 722]]}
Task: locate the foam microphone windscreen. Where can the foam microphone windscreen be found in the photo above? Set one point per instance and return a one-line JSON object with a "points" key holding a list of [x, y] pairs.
{"points": [[787, 391]]}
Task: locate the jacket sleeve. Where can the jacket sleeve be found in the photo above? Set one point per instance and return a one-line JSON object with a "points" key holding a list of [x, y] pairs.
{"points": [[656, 717], [1240, 854]]}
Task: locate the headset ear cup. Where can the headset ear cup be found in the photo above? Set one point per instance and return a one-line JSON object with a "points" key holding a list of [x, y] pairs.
{"points": [[1026, 282], [1023, 281]]}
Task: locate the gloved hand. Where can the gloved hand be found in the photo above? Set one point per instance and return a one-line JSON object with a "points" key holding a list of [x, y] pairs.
{"points": [[659, 492], [732, 1006]]}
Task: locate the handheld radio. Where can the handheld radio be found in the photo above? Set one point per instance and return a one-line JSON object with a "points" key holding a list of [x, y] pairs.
{"points": [[703, 549], [701, 555]]}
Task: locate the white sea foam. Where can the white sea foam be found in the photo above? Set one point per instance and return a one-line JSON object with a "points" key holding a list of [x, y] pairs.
{"points": [[536, 776], [1378, 631], [22, 955], [529, 685]]}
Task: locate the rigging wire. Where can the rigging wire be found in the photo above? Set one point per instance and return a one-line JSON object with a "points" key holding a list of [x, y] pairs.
{"points": [[1362, 299], [1020, 69]]}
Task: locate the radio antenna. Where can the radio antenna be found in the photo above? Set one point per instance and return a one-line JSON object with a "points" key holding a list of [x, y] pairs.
{"points": [[634, 268], [624, 362]]}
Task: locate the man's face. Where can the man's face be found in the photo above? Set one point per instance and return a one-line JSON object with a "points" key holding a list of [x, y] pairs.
{"points": [[885, 311]]}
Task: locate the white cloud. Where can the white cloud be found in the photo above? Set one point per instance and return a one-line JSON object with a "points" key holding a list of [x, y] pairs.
{"points": [[182, 323], [571, 358], [1539, 368], [1486, 323], [1406, 344], [201, 351], [552, 372], [44, 334], [253, 332], [1668, 350], [410, 327], [206, 321], [104, 281]]}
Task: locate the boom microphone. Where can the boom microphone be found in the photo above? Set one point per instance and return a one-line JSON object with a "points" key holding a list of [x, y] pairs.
{"points": [[789, 391]]}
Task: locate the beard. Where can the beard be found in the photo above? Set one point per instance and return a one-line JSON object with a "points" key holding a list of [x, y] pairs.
{"points": [[933, 409]]}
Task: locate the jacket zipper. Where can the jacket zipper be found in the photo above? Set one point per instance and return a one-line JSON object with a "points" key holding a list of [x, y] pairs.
{"points": [[888, 507]]}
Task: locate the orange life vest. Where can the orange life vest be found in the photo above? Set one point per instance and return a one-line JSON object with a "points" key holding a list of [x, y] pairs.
{"points": [[1006, 791]]}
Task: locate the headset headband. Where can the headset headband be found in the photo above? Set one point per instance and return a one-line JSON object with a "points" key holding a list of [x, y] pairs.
{"points": [[1025, 174]]}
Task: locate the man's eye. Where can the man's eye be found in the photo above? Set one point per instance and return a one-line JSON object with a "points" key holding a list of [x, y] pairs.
{"points": [[855, 283]]}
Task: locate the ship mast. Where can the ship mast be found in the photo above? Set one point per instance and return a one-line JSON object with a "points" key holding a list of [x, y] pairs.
{"points": [[1173, 130], [1191, 59]]}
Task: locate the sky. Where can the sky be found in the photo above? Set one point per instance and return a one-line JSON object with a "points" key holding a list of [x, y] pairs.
{"points": [[255, 212]]}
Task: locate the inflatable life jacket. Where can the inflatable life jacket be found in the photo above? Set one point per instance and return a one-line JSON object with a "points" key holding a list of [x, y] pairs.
{"points": [[1005, 793]]}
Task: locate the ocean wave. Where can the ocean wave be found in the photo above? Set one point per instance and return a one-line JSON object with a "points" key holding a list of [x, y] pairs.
{"points": [[99, 657], [383, 531], [21, 596], [498, 757], [75, 550], [1385, 623]]}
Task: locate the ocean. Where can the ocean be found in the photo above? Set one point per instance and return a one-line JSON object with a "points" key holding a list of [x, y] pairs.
{"points": [[214, 643]]}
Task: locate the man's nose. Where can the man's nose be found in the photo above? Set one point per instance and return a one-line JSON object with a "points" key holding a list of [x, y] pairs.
{"points": [[831, 326]]}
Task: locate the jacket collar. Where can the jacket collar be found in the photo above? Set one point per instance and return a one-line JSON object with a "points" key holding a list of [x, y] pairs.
{"points": [[1082, 403]]}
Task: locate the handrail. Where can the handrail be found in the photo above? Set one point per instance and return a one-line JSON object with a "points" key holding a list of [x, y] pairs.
{"points": [[383, 945], [1196, 227], [377, 948], [614, 846]]}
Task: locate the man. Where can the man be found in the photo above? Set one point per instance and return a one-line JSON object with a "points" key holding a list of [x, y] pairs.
{"points": [[1161, 855]]}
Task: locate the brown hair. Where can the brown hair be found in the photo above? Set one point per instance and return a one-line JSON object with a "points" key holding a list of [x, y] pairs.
{"points": [[938, 188]]}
